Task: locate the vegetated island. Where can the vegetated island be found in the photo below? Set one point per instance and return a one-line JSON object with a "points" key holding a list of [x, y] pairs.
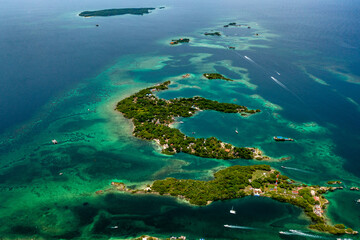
{"points": [[234, 24], [180, 40], [216, 76], [115, 12], [212, 34], [152, 118], [240, 181], [334, 182]]}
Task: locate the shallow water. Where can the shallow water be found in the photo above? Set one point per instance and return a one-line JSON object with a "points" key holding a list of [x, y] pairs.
{"points": [[62, 76]]}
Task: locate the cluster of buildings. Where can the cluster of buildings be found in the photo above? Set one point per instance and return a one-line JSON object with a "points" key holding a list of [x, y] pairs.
{"points": [[178, 238]]}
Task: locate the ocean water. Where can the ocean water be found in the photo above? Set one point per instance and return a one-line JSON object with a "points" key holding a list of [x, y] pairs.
{"points": [[61, 78]]}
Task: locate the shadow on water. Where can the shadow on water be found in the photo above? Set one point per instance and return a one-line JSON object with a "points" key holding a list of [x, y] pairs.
{"points": [[126, 215]]}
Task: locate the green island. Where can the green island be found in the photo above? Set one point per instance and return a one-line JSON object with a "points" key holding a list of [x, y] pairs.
{"points": [[152, 118], [334, 182], [212, 34], [180, 40], [216, 76], [115, 12], [240, 181]]}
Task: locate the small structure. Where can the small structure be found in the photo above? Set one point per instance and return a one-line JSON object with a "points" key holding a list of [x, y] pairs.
{"points": [[257, 191], [317, 210]]}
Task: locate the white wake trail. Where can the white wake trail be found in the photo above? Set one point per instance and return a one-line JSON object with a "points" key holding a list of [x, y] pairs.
{"points": [[239, 227]]}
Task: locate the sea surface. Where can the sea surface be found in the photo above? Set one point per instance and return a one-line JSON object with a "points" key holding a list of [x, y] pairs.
{"points": [[61, 77]]}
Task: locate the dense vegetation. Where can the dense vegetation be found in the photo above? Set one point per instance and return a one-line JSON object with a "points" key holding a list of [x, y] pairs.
{"points": [[229, 183], [181, 40], [152, 117], [212, 34], [333, 182], [240, 181], [114, 12], [216, 76]]}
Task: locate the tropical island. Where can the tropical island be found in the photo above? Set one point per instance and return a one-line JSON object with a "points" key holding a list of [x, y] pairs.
{"points": [[180, 40], [115, 12], [216, 76], [212, 34], [334, 182], [234, 24], [240, 181], [152, 118]]}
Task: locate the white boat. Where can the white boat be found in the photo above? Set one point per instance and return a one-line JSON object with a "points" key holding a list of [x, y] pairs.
{"points": [[226, 225], [358, 201], [236, 131], [232, 211], [54, 141]]}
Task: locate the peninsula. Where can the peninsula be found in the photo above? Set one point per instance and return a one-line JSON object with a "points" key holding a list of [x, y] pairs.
{"points": [[115, 12], [216, 76], [152, 118], [240, 181]]}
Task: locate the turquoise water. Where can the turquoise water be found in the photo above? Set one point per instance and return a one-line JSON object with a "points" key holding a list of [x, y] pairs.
{"points": [[62, 77]]}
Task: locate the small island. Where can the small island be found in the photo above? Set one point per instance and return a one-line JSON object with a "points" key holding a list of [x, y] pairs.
{"points": [[212, 34], [234, 24], [240, 181], [334, 182], [115, 12], [181, 40], [152, 118], [216, 76]]}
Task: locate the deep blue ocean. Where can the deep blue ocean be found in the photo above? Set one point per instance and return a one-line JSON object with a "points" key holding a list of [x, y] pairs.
{"points": [[61, 77]]}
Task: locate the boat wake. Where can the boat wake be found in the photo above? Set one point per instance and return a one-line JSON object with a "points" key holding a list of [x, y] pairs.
{"points": [[239, 227], [247, 58], [286, 88], [300, 233], [296, 169], [280, 83], [267, 72]]}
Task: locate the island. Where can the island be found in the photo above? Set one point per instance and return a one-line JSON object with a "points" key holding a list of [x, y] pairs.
{"points": [[180, 40], [334, 182], [212, 34], [240, 181], [115, 12], [152, 118], [216, 76]]}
